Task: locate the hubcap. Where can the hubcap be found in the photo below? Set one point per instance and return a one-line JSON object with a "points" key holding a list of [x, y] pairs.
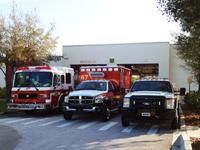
{"points": [[107, 113]]}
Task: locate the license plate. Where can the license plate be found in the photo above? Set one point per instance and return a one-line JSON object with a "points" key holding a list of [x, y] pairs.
{"points": [[146, 114]]}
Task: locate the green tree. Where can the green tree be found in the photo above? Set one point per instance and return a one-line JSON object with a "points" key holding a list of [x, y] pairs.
{"points": [[187, 14], [22, 43]]}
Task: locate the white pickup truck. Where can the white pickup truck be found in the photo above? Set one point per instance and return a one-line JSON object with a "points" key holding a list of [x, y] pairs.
{"points": [[100, 96], [151, 98]]}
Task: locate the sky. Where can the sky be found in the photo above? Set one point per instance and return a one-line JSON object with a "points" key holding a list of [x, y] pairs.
{"points": [[83, 22]]}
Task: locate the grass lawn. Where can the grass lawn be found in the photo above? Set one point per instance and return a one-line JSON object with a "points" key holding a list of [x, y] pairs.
{"points": [[3, 105]]}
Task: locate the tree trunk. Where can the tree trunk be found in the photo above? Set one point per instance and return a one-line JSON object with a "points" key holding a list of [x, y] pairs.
{"points": [[198, 80], [9, 79], [199, 86]]}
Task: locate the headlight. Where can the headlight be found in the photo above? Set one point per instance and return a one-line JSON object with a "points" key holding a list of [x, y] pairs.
{"points": [[14, 95], [126, 102], [48, 101], [170, 103], [99, 99], [44, 96], [66, 99]]}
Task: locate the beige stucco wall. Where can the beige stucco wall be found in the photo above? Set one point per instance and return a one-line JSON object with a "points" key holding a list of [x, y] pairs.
{"points": [[178, 72], [131, 53]]}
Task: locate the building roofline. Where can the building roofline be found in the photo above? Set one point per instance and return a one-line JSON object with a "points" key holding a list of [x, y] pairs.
{"points": [[114, 44]]}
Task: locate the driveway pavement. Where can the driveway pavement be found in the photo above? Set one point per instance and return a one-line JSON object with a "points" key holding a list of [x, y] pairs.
{"points": [[9, 138]]}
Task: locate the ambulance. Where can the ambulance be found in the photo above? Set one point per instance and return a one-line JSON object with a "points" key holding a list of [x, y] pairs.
{"points": [[101, 90]]}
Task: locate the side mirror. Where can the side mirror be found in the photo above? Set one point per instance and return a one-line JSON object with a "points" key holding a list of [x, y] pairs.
{"points": [[182, 91], [176, 91], [127, 91], [122, 91], [110, 90], [55, 87]]}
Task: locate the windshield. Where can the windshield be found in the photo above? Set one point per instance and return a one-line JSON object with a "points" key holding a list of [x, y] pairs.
{"points": [[152, 86], [33, 79], [100, 86]]}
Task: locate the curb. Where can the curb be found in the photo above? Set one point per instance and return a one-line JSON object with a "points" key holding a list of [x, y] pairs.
{"points": [[183, 130], [7, 112], [182, 140]]}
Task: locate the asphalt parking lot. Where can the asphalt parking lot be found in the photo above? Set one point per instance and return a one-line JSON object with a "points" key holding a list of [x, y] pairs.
{"points": [[50, 131]]}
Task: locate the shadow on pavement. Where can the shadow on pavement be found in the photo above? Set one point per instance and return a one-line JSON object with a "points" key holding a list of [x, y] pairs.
{"points": [[9, 138]]}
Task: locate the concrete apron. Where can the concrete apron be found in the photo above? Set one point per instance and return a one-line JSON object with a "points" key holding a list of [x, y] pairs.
{"points": [[181, 139]]}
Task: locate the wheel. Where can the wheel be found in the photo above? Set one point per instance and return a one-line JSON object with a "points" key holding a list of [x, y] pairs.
{"points": [[60, 107], [106, 114], [124, 121], [68, 116], [175, 123]]}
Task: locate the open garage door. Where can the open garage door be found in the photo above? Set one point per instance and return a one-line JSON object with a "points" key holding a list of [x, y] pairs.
{"points": [[143, 69], [76, 68]]}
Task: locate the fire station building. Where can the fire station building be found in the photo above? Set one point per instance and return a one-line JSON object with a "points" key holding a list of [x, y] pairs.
{"points": [[144, 59]]}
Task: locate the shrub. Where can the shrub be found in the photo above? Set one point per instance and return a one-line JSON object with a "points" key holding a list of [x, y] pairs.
{"points": [[2, 92], [193, 100], [3, 105]]}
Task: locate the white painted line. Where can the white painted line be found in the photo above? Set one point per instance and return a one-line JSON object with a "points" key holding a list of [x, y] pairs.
{"points": [[61, 146], [49, 123], [5, 119], [34, 121], [18, 120], [153, 130], [127, 129], [87, 125], [109, 125], [67, 124]]}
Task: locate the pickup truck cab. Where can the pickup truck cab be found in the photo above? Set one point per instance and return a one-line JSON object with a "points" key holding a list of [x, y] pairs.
{"points": [[150, 98], [101, 96]]}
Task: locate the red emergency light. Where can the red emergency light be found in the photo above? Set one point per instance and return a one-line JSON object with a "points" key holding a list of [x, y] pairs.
{"points": [[22, 68], [43, 67]]}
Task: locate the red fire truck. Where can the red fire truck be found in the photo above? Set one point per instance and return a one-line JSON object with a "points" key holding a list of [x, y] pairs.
{"points": [[101, 90], [40, 87]]}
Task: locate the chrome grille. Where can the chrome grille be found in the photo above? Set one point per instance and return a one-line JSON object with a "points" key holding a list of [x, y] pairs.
{"points": [[81, 100], [87, 97], [74, 97], [73, 101], [148, 101], [28, 96]]}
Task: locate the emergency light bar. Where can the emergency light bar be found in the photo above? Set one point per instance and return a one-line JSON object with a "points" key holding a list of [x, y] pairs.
{"points": [[35, 67]]}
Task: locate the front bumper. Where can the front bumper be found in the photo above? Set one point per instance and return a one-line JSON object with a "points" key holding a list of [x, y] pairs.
{"points": [[95, 107], [131, 114], [15, 106]]}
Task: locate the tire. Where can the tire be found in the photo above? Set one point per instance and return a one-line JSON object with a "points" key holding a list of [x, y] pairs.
{"points": [[175, 124], [176, 121], [60, 107], [67, 116], [106, 114], [124, 121]]}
